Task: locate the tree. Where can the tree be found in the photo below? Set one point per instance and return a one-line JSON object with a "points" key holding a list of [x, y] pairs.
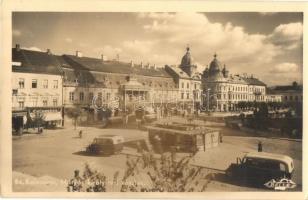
{"points": [[165, 174], [74, 113], [38, 119]]}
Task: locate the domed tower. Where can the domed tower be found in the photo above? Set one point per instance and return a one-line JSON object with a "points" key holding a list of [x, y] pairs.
{"points": [[215, 66], [206, 72], [186, 63], [225, 72]]}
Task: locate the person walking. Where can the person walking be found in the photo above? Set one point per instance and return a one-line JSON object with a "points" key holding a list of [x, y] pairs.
{"points": [[125, 117], [260, 146], [139, 113]]}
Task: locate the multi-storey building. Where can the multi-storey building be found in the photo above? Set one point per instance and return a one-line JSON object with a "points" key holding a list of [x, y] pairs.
{"points": [[42, 80], [270, 97], [188, 81], [289, 93], [222, 91], [36, 85], [116, 83]]}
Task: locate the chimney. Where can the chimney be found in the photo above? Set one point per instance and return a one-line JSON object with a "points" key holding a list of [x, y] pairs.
{"points": [[141, 64], [78, 53], [118, 57], [148, 66], [48, 51], [102, 57], [131, 63], [154, 66], [17, 47]]}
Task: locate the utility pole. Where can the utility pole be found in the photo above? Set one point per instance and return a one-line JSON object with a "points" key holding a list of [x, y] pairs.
{"points": [[208, 100]]}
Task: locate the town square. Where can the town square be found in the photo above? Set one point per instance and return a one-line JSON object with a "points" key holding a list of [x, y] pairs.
{"points": [[163, 102]]}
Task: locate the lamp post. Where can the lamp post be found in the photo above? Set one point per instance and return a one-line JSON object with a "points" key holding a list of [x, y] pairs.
{"points": [[208, 100]]}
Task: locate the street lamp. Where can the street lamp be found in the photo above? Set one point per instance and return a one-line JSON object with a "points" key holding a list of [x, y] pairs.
{"points": [[208, 100]]}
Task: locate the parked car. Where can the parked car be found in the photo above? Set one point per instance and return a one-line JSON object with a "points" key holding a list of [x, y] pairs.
{"points": [[260, 167], [106, 144]]}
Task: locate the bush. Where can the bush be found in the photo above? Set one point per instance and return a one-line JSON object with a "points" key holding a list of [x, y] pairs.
{"points": [[74, 113], [164, 174]]}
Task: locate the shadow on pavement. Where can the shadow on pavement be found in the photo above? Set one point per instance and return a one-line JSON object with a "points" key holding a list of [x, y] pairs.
{"points": [[76, 137], [241, 182], [84, 153]]}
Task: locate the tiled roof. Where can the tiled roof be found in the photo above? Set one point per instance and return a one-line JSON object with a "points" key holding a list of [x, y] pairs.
{"points": [[286, 88], [177, 71], [236, 79], [253, 81], [94, 64], [35, 62]]}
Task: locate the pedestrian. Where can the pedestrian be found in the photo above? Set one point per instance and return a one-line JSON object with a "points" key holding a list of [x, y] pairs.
{"points": [[260, 146], [125, 117], [139, 113], [116, 112], [80, 134], [220, 137]]}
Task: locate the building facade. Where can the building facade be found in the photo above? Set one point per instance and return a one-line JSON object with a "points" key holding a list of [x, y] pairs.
{"points": [[188, 82], [289, 93], [53, 83], [36, 86], [223, 91]]}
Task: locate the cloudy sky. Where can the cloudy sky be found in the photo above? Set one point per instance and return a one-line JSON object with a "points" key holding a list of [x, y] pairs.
{"points": [[268, 45]]}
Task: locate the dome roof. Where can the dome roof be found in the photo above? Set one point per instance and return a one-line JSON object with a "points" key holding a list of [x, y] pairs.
{"points": [[217, 77], [215, 65]]}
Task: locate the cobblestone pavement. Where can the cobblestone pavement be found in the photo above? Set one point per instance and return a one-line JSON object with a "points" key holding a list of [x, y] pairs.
{"points": [[57, 153]]}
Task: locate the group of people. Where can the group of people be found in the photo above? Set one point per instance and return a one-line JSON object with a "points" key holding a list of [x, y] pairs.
{"points": [[139, 115]]}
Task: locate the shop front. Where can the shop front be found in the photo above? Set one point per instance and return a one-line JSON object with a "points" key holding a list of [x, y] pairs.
{"points": [[52, 116], [19, 120]]}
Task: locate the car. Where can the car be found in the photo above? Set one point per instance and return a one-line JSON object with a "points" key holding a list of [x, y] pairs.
{"points": [[261, 167], [106, 144]]}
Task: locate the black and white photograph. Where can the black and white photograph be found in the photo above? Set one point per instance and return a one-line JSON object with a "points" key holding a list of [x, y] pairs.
{"points": [[105, 102]]}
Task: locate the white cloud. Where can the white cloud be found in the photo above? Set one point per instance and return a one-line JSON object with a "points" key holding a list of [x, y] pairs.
{"points": [[288, 36], [285, 68], [16, 33], [33, 48], [83, 44], [283, 73], [172, 32], [68, 40], [167, 35], [108, 51]]}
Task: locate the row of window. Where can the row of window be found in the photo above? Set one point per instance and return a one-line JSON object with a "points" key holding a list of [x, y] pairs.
{"points": [[34, 83], [238, 97], [196, 95], [90, 96], [239, 89], [188, 85], [34, 103], [293, 98]]}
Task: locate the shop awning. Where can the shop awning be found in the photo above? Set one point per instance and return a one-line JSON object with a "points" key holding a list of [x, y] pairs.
{"points": [[52, 116], [19, 113]]}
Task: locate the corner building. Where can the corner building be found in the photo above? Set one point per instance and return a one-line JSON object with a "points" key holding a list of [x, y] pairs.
{"points": [[223, 91]]}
